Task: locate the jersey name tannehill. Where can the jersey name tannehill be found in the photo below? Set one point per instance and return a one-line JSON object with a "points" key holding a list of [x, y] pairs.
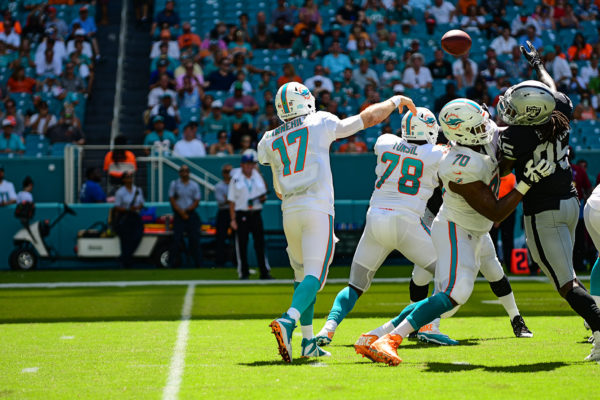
{"points": [[286, 127]]}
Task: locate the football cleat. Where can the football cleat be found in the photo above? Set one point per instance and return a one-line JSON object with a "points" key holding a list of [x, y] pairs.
{"points": [[324, 337], [519, 327], [430, 333], [595, 354], [586, 325], [311, 349], [591, 339], [282, 328], [362, 346], [386, 349]]}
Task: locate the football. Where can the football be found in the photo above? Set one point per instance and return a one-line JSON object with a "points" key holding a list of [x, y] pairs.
{"points": [[456, 42]]}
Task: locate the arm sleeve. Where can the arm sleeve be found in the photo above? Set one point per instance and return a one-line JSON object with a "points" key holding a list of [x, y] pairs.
{"points": [[231, 191], [507, 145], [348, 126], [197, 192]]}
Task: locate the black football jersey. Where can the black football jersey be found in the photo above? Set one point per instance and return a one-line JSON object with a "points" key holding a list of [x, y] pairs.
{"points": [[523, 143]]}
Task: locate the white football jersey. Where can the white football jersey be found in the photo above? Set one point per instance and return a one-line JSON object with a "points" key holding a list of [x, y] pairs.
{"points": [[407, 174], [298, 153], [594, 199], [464, 165]]}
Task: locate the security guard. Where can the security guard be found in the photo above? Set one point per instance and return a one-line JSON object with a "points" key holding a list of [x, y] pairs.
{"points": [[247, 193]]}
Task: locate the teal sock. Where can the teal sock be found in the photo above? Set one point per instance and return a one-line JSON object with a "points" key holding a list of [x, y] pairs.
{"points": [[305, 294], [407, 310], [344, 303], [307, 316], [429, 309], [595, 279]]}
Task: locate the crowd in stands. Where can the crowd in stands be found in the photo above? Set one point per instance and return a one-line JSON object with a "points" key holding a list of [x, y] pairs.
{"points": [[351, 54], [47, 57]]}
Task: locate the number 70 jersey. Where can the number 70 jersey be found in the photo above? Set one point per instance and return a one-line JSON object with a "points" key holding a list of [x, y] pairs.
{"points": [[298, 153], [406, 174]]}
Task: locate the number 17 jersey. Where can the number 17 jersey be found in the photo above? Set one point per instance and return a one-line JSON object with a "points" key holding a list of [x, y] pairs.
{"points": [[406, 174], [298, 153]]}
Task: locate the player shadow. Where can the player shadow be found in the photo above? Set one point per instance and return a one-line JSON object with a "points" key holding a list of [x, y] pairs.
{"points": [[520, 368], [266, 363], [416, 344]]}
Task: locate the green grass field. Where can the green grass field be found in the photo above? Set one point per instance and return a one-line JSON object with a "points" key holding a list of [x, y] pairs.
{"points": [[119, 343]]}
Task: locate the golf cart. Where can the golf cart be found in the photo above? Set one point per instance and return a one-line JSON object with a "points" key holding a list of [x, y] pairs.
{"points": [[94, 243]]}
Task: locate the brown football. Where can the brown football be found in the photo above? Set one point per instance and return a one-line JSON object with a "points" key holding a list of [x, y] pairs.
{"points": [[456, 42]]}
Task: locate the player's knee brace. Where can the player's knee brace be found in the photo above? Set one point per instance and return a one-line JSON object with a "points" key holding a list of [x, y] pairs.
{"points": [[361, 277], [502, 287], [583, 304], [418, 292], [298, 270]]}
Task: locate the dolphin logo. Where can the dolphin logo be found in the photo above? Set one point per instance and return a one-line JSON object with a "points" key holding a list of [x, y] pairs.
{"points": [[453, 121], [305, 93], [429, 121]]}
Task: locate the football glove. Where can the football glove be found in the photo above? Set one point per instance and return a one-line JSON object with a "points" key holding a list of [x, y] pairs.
{"points": [[534, 173], [531, 54]]}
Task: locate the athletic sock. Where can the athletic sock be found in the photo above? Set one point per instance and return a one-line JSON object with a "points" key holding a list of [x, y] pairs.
{"points": [[304, 296], [294, 314], [344, 303], [429, 309], [330, 325], [404, 329], [307, 331], [595, 280], [508, 302], [584, 305], [384, 329]]}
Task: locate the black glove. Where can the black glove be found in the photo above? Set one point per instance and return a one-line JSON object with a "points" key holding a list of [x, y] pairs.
{"points": [[532, 56]]}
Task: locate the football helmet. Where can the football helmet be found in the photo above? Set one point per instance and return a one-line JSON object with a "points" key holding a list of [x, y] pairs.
{"points": [[465, 122], [293, 100], [528, 103], [422, 126]]}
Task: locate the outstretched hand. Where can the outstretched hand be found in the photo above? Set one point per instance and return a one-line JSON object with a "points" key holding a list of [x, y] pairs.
{"points": [[531, 54], [408, 103]]}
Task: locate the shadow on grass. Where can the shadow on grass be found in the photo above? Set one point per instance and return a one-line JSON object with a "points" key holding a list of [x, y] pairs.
{"points": [[416, 344], [267, 363], [520, 368]]}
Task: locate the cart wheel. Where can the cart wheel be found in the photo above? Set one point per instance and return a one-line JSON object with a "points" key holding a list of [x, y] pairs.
{"points": [[23, 259], [160, 257]]}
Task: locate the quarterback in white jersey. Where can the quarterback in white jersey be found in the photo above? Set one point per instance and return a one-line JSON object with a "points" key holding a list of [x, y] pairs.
{"points": [[460, 230], [298, 153], [591, 215]]}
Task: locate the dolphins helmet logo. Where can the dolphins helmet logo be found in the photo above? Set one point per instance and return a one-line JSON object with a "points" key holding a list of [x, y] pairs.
{"points": [[429, 120], [453, 121], [304, 93]]}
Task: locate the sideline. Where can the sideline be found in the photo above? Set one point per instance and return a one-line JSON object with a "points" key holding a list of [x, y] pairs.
{"points": [[58, 285]]}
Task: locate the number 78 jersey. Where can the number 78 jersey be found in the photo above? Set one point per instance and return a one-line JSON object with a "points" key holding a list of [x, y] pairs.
{"points": [[298, 153], [406, 174]]}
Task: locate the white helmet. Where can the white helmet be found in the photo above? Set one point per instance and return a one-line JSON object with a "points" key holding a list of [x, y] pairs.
{"points": [[466, 122], [292, 100], [422, 126], [528, 103]]}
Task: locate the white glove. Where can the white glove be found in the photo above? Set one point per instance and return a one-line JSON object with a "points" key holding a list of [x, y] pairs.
{"points": [[534, 174]]}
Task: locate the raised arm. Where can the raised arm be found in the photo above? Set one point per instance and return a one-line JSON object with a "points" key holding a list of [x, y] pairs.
{"points": [[533, 58]]}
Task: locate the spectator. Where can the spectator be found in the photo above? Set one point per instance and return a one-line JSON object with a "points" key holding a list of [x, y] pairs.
{"points": [[10, 108], [417, 76], [557, 67], [19, 83], [516, 66], [127, 222], [575, 84], [335, 35], [269, 120], [163, 89], [348, 13], [522, 22], [442, 11], [223, 217], [67, 130], [448, 96], [465, 71], [507, 226], [319, 81], [173, 46], [119, 160], [307, 45], [171, 63], [358, 32], [390, 76], [8, 195], [23, 58], [584, 110], [440, 68], [246, 195], [83, 65], [591, 69], [505, 43], [361, 52], [162, 67], [71, 82], [196, 79], [91, 191], [282, 11], [239, 45], [184, 196], [289, 75], [310, 11], [569, 19], [353, 145], [496, 25], [25, 195], [216, 121], [282, 36], [49, 65], [579, 50], [79, 38], [222, 78], [261, 39], [241, 80], [531, 36], [189, 146], [249, 105], [160, 137], [188, 40], [389, 49], [472, 21], [241, 122], [221, 147], [10, 37], [545, 20], [10, 142], [167, 18], [50, 41], [365, 75], [478, 91], [586, 10], [169, 113], [245, 143], [492, 73], [61, 27], [335, 62], [40, 122], [189, 94], [349, 86], [184, 65], [88, 24]]}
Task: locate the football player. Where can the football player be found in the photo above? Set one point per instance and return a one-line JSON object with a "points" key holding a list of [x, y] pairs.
{"points": [[298, 153], [460, 231], [538, 119]]}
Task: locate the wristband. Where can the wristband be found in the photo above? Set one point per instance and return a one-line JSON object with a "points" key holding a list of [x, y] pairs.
{"points": [[396, 100], [522, 188]]}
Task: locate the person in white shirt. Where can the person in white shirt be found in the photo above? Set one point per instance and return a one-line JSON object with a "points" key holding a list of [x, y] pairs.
{"points": [[326, 83], [42, 121], [504, 43], [365, 75], [165, 37], [8, 195], [444, 12], [591, 69], [417, 76], [49, 65], [519, 25], [459, 72], [158, 92], [86, 47], [10, 37], [51, 41], [557, 66], [298, 153], [25, 196], [189, 146]]}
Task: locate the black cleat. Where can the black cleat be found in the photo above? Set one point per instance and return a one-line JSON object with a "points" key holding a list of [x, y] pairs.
{"points": [[412, 335], [519, 327]]}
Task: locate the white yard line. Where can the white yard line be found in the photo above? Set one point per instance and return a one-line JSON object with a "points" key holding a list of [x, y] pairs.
{"points": [[56, 285], [171, 390]]}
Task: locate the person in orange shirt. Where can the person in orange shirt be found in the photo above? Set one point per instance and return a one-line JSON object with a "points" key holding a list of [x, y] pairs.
{"points": [[506, 227], [19, 83], [15, 24], [119, 161], [289, 75], [188, 39], [353, 146], [579, 50], [463, 5]]}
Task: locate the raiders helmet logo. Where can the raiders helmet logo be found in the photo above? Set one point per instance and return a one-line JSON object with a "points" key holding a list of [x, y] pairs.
{"points": [[532, 111]]}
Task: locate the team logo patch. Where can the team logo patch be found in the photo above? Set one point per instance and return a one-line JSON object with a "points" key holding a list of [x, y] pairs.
{"points": [[305, 93], [428, 120], [532, 111], [452, 121]]}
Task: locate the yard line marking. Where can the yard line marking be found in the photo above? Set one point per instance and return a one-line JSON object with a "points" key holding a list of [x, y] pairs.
{"points": [[491, 301], [58, 285], [31, 370], [67, 337], [171, 390]]}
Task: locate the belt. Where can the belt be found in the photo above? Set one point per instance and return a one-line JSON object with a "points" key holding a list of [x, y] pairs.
{"points": [[248, 211]]}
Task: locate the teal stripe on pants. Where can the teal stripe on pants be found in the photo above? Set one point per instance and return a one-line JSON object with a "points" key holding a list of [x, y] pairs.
{"points": [[453, 257]]}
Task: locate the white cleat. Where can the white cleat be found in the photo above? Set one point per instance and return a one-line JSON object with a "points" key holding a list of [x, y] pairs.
{"points": [[324, 337], [311, 349], [430, 333], [595, 354]]}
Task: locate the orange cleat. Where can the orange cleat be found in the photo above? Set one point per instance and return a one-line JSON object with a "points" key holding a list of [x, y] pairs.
{"points": [[362, 346], [385, 349]]}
